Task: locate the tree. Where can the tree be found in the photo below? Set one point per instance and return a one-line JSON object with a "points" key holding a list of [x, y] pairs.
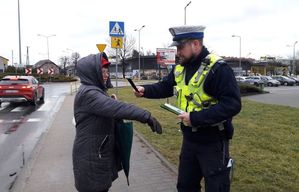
{"points": [[74, 59], [10, 69], [64, 62], [123, 53]]}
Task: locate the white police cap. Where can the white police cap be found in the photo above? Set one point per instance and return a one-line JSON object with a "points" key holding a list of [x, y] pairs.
{"points": [[186, 32]]}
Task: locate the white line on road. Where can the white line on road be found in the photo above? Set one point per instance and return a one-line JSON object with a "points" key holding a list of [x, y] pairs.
{"points": [[17, 109], [34, 120], [31, 120], [3, 106]]}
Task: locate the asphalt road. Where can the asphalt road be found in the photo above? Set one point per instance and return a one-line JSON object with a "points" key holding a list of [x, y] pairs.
{"points": [[283, 95], [21, 126]]}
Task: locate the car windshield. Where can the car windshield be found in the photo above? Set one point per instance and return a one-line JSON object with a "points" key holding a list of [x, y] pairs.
{"points": [[14, 82]]}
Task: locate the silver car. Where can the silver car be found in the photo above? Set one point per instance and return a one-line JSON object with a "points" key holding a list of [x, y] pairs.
{"points": [[254, 80], [269, 81]]}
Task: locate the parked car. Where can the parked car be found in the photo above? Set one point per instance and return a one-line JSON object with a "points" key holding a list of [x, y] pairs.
{"points": [[284, 80], [295, 79], [21, 89], [254, 80], [269, 81], [240, 79]]}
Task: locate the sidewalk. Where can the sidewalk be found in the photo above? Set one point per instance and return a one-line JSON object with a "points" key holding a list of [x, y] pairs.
{"points": [[50, 168]]}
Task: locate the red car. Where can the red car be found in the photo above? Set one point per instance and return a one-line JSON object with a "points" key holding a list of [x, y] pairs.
{"points": [[21, 89]]}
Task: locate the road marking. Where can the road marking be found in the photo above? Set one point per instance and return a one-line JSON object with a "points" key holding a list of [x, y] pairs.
{"points": [[31, 120], [34, 120], [45, 107], [17, 109], [3, 106]]}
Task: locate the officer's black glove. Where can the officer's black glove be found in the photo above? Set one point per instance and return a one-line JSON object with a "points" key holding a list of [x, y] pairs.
{"points": [[155, 125]]}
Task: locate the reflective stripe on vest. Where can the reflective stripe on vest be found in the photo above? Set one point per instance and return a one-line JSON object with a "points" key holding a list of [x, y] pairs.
{"points": [[192, 97]]}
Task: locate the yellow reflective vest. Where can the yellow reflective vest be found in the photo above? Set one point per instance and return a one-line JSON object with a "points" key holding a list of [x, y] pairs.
{"points": [[192, 97]]}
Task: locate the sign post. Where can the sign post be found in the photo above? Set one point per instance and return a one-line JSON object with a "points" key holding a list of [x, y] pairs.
{"points": [[28, 71], [116, 32], [50, 72], [39, 71], [165, 58]]}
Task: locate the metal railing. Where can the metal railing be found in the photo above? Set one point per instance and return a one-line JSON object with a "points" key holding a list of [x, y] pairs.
{"points": [[74, 87]]}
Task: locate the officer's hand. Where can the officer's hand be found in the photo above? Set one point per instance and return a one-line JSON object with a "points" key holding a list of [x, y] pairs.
{"points": [[141, 91], [154, 125], [185, 118]]}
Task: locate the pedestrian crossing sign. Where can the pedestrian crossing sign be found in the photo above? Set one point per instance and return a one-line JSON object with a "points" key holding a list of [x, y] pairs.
{"points": [[117, 42], [116, 29]]}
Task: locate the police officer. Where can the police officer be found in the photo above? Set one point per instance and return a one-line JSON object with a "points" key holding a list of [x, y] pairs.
{"points": [[207, 91]]}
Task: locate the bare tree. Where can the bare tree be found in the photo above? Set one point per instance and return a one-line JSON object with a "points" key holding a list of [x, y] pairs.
{"points": [[64, 62], [123, 53], [74, 58]]}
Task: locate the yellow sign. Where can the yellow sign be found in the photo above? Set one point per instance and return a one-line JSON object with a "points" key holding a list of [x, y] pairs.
{"points": [[116, 42], [101, 47]]}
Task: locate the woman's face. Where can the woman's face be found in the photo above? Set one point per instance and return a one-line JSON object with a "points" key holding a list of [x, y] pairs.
{"points": [[105, 73]]}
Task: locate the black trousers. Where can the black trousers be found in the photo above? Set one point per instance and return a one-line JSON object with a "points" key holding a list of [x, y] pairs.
{"points": [[208, 161]]}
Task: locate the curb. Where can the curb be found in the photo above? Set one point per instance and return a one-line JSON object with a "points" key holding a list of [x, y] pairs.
{"points": [[159, 155]]}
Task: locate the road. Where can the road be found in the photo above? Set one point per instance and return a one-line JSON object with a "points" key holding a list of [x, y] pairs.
{"points": [[21, 126], [283, 95]]}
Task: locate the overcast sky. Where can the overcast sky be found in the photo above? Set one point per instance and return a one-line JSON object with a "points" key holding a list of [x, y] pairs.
{"points": [[266, 27]]}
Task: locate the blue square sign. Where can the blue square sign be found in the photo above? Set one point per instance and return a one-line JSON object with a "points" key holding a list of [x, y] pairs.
{"points": [[116, 29]]}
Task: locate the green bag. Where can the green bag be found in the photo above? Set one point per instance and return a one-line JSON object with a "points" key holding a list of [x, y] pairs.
{"points": [[124, 139]]}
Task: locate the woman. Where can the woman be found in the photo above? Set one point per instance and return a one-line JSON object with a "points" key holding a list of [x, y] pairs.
{"points": [[94, 163]]}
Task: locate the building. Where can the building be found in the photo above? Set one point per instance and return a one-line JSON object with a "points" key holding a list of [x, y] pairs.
{"points": [[3, 64], [234, 63], [265, 66], [269, 67], [149, 68], [47, 64]]}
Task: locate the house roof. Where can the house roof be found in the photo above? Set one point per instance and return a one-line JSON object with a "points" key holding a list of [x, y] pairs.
{"points": [[43, 62], [4, 58]]}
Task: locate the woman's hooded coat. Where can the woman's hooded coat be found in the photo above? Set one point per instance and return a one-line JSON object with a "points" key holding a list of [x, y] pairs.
{"points": [[94, 155]]}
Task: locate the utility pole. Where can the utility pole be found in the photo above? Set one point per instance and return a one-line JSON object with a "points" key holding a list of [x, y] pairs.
{"points": [[139, 50], [240, 59], [19, 24]]}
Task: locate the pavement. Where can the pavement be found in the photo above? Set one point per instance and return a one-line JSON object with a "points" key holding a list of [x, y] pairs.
{"points": [[50, 167], [283, 95]]}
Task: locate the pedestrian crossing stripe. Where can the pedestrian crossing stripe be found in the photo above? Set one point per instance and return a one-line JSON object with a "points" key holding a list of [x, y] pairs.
{"points": [[117, 29]]}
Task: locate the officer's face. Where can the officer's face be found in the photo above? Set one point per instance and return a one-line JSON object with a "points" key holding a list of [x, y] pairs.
{"points": [[188, 51]]}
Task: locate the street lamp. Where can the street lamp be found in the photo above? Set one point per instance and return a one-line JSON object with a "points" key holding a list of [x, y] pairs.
{"points": [[240, 66], [47, 37], [185, 12], [139, 49]]}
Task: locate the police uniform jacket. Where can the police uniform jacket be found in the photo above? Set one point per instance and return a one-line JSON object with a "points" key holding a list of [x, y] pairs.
{"points": [[220, 84]]}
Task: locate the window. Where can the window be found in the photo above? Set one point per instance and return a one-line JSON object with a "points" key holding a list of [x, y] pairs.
{"points": [[13, 81]]}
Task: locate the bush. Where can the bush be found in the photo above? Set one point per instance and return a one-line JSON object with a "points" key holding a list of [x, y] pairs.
{"points": [[55, 78], [46, 77], [247, 89]]}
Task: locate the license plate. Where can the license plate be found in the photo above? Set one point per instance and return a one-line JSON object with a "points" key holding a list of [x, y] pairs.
{"points": [[11, 91]]}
